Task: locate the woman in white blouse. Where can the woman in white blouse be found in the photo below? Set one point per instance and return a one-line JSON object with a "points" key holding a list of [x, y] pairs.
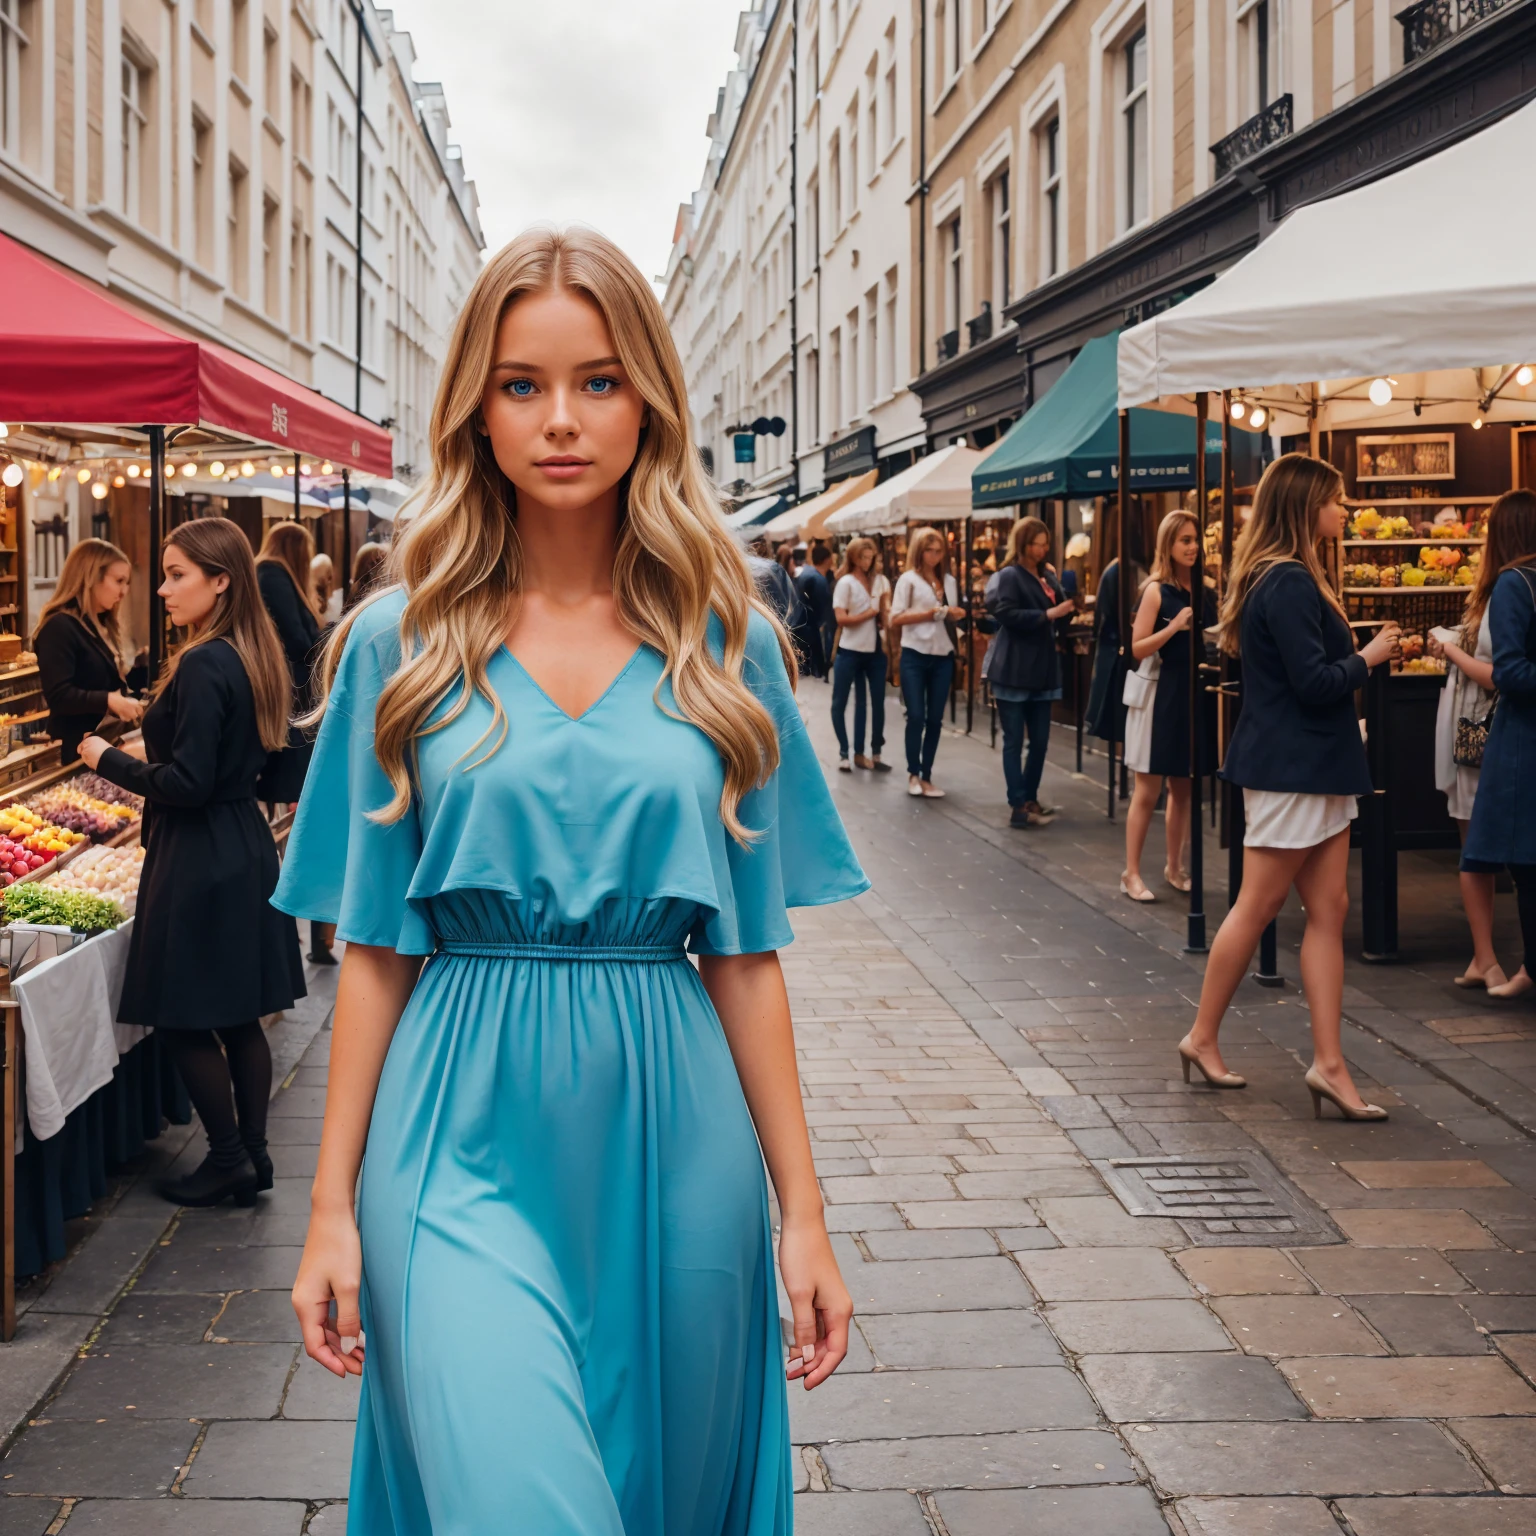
{"points": [[925, 597], [860, 601]]}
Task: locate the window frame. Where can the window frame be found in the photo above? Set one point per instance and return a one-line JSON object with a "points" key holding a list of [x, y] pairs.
{"points": [[1134, 116], [14, 43], [1052, 179]]}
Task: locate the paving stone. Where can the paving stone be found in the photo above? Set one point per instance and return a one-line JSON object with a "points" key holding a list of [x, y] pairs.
{"points": [[1345, 1271], [1102, 1222], [1405, 1174], [1421, 1325], [953, 1243], [863, 1218], [177, 1381], [1044, 1458], [851, 1514], [1242, 1271], [258, 1317], [969, 1213], [865, 1188], [1198, 1386], [1118, 1274], [1502, 1314], [1029, 1185], [100, 1268], [331, 1521], [181, 1268], [1255, 1517], [890, 1404], [27, 1517], [143, 1318], [275, 1460], [1327, 1459], [1052, 1512], [1506, 1448], [180, 1517], [934, 1285], [1296, 1325], [1427, 1387], [1520, 1350], [1440, 1517], [124, 1458], [1499, 1274], [1134, 1327], [917, 1341], [1412, 1229], [314, 1393]]}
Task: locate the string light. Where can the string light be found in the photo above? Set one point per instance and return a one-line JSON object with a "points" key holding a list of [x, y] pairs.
{"points": [[54, 473], [1257, 418], [1380, 392], [119, 481], [306, 469], [82, 475], [189, 470], [133, 471], [11, 475], [328, 469], [99, 490], [216, 469], [1524, 375], [1239, 410], [247, 469], [5, 431], [1477, 423]]}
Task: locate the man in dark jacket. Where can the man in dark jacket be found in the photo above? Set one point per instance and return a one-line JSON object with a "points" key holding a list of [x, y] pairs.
{"points": [[816, 599]]}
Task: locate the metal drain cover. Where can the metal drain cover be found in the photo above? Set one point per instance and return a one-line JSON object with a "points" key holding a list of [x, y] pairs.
{"points": [[1238, 1199]]}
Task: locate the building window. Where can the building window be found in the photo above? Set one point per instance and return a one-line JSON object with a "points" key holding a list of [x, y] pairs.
{"points": [[888, 336], [853, 157], [202, 190], [855, 379], [872, 344], [271, 82], [1133, 117], [1259, 55], [956, 7], [1051, 258], [872, 117], [240, 39], [239, 231], [13, 44], [135, 111], [1002, 241], [954, 258], [835, 183], [302, 99], [813, 393], [812, 224], [835, 379], [271, 284]]}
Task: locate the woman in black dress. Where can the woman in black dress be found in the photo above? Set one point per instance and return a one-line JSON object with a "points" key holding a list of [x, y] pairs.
{"points": [[79, 646], [282, 574], [1105, 712], [1157, 731], [209, 956]]}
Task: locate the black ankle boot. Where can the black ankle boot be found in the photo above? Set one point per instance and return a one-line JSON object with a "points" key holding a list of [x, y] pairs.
{"points": [[262, 1162], [209, 1184]]}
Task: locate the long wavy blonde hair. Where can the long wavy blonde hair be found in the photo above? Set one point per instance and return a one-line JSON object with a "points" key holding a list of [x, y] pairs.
{"points": [[460, 561]]}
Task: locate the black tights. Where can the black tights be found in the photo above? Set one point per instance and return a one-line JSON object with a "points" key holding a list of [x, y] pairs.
{"points": [[226, 1084], [1524, 876]]}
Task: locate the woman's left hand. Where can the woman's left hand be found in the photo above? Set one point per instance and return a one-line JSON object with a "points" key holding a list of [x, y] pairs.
{"points": [[822, 1306], [91, 749], [956, 613]]}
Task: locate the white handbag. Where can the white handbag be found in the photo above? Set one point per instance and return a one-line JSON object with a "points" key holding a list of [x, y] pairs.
{"points": [[1141, 682]]}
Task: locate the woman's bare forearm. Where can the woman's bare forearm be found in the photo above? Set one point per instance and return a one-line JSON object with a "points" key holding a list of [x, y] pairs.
{"points": [[748, 994], [371, 994]]}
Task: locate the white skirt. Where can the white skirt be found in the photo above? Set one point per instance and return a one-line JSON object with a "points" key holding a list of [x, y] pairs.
{"points": [[1138, 736], [1277, 820]]}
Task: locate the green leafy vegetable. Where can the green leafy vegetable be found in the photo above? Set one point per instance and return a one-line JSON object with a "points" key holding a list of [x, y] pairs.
{"points": [[34, 903]]}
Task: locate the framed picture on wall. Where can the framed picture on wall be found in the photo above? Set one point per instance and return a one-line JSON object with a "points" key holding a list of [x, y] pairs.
{"points": [[1407, 456]]}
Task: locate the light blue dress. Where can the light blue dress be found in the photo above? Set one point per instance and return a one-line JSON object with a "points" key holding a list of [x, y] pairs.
{"points": [[568, 1288]]}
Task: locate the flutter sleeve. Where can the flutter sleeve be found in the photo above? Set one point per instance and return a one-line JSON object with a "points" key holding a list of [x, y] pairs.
{"points": [[801, 856], [341, 866]]}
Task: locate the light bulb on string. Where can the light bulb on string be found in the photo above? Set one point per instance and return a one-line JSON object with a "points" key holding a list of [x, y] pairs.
{"points": [[247, 469], [119, 481], [1239, 410], [327, 468], [1380, 392], [133, 471], [5, 431], [82, 475], [1524, 375], [11, 475], [216, 469], [306, 469], [54, 473], [189, 470], [1477, 423], [1257, 417], [99, 489]]}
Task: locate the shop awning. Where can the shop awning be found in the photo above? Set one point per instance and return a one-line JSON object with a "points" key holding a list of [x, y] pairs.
{"points": [[1069, 444], [933, 489], [809, 520], [757, 511], [71, 355], [1430, 268]]}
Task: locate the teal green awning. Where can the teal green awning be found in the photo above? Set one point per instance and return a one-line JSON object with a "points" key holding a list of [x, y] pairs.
{"points": [[1069, 444]]}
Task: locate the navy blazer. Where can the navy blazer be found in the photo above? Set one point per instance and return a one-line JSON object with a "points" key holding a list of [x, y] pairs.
{"points": [[1503, 829], [1298, 732], [1023, 653]]}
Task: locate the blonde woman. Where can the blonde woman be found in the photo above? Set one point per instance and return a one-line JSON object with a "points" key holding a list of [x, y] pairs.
{"points": [[1157, 728], [79, 645], [925, 597], [861, 600], [562, 752], [1298, 756]]}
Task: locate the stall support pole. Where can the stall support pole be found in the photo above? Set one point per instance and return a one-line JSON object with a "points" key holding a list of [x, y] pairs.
{"points": [[1194, 942], [156, 544], [967, 627], [1123, 594], [346, 536], [10, 1014], [298, 489], [1378, 839]]}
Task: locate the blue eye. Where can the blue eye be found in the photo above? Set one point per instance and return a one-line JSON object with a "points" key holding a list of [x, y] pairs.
{"points": [[522, 388], [602, 386]]}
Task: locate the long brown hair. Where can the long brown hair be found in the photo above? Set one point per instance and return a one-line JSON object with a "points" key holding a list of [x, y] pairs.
{"points": [[675, 568], [1021, 536], [85, 566], [1283, 527], [291, 546], [1168, 530], [370, 572], [853, 550], [917, 544], [1511, 541], [218, 548]]}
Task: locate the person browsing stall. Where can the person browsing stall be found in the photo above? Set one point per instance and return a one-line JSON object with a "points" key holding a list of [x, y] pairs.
{"points": [[925, 598]]}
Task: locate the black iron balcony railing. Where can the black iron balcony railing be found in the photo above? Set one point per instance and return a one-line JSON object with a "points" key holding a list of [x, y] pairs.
{"points": [[1432, 22], [949, 345], [1264, 128], [980, 329]]}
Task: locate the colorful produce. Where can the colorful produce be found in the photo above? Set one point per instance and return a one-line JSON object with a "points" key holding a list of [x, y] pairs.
{"points": [[35, 903], [1413, 575], [110, 872], [98, 788], [66, 805], [1433, 559], [1426, 666], [36, 834], [1410, 647], [1370, 524], [1449, 531]]}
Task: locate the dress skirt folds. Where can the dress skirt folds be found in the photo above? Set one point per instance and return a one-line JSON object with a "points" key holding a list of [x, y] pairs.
{"points": [[568, 1288]]}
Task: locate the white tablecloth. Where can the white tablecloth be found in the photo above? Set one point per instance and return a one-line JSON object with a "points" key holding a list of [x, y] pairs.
{"points": [[69, 1029]]}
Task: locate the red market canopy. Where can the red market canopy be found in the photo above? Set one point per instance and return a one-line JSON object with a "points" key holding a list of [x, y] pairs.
{"points": [[74, 356]]}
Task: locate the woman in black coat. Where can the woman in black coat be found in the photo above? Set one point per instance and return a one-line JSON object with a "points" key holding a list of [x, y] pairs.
{"points": [[282, 574], [209, 955], [1297, 753], [78, 644], [1023, 667]]}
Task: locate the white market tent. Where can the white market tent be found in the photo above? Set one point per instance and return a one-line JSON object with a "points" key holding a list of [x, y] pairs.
{"points": [[1426, 277], [934, 488], [808, 520]]}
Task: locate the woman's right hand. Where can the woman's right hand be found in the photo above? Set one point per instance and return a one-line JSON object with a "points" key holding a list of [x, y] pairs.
{"points": [[1180, 621], [1061, 610], [1381, 645], [124, 708], [331, 1270]]}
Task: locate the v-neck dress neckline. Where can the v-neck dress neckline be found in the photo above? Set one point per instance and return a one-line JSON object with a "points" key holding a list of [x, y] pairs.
{"points": [[543, 692]]}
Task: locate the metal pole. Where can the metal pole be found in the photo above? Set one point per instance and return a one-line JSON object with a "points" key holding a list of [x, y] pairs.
{"points": [[357, 192], [156, 543], [1122, 593], [967, 628], [1195, 940], [794, 254], [346, 537], [298, 510]]}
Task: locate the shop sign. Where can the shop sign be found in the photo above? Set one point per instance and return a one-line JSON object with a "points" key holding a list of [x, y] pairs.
{"points": [[850, 455], [746, 447]]}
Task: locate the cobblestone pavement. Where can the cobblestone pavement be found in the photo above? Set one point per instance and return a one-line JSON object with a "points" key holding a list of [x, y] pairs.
{"points": [[983, 1037]]}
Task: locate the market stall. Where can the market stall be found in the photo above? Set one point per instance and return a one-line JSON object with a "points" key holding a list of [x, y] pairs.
{"points": [[808, 520], [1388, 367]]}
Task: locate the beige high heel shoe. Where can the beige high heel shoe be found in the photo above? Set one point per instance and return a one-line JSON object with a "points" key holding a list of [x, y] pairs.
{"points": [[1493, 977], [1179, 882], [1189, 1059], [1133, 887], [1321, 1090]]}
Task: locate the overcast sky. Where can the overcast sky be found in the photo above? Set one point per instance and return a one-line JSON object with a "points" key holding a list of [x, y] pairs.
{"points": [[578, 111]]}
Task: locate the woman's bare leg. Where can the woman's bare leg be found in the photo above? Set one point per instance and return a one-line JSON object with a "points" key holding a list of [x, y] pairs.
{"points": [[1477, 903], [1138, 822], [1176, 819]]}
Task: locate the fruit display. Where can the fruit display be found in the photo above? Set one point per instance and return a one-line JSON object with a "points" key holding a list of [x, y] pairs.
{"points": [[1363, 575], [1368, 523], [110, 872], [1449, 531], [1425, 666], [24, 828], [68, 805], [98, 788], [1410, 647], [36, 903], [17, 860]]}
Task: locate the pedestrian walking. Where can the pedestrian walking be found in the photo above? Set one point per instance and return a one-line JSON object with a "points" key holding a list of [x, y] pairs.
{"points": [[208, 956], [1297, 753], [283, 576], [860, 605], [816, 605], [79, 646], [1023, 668], [370, 571], [1157, 718], [1502, 828], [925, 603], [582, 757]]}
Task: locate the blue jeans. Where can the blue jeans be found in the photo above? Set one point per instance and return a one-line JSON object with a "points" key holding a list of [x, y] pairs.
{"points": [[1018, 720], [859, 670], [925, 690]]}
